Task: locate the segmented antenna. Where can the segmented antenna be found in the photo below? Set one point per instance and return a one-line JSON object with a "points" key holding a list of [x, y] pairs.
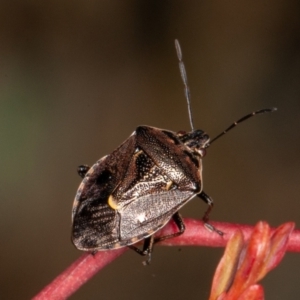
{"points": [[262, 111], [185, 81]]}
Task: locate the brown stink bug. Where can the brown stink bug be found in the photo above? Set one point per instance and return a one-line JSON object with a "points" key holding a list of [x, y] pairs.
{"points": [[128, 195]]}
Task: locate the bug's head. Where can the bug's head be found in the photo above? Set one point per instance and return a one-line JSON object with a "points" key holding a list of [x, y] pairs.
{"points": [[196, 140]]}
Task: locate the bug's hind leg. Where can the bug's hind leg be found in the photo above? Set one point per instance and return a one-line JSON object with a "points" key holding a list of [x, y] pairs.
{"points": [[147, 249], [209, 201], [181, 227], [82, 170]]}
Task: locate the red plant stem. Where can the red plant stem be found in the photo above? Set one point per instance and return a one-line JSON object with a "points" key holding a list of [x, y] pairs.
{"points": [[196, 234], [71, 279]]}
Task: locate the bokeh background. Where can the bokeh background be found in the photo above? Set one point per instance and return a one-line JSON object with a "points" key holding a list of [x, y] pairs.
{"points": [[77, 77]]}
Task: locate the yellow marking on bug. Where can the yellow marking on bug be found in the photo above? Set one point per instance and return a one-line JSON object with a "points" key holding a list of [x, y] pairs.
{"points": [[169, 184], [136, 154], [112, 202]]}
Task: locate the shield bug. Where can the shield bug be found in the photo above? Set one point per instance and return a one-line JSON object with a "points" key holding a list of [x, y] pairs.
{"points": [[128, 195]]}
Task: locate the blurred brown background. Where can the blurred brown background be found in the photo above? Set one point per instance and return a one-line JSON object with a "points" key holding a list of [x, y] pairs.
{"points": [[77, 77]]}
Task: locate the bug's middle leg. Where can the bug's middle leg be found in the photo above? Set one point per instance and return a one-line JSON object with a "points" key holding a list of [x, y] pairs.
{"points": [[150, 241], [181, 227]]}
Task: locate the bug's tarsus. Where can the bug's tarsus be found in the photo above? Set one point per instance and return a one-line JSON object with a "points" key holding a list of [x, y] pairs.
{"points": [[213, 229], [209, 201], [148, 251], [185, 82], [262, 111]]}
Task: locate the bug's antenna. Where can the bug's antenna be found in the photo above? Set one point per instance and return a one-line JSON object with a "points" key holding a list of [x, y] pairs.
{"points": [[185, 81], [262, 111]]}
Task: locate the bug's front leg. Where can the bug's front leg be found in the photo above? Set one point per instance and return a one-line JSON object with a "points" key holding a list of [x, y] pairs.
{"points": [[209, 201], [82, 170]]}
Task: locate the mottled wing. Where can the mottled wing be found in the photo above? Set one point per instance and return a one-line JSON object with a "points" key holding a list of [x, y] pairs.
{"points": [[95, 222]]}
